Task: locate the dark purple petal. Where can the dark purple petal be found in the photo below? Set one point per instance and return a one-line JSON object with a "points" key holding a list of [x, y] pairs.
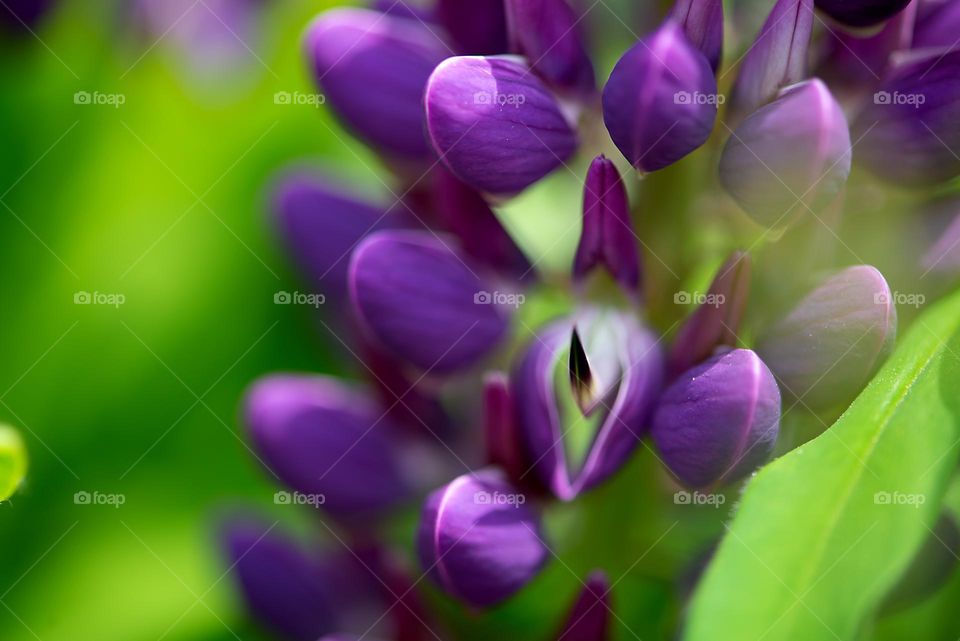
{"points": [[627, 368], [548, 34], [412, 403], [861, 13], [372, 69], [478, 27], [495, 124], [285, 588], [23, 15], [608, 237], [661, 100], [326, 441], [908, 134], [501, 433], [478, 540], [777, 58], [702, 21], [719, 421], [716, 321], [589, 618], [403, 9], [939, 26], [320, 226], [790, 157], [419, 299], [825, 350]]}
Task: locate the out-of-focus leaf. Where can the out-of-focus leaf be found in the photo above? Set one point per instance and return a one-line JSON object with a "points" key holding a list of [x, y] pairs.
{"points": [[823, 532], [13, 461]]}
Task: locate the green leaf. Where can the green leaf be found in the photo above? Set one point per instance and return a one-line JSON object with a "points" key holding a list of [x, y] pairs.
{"points": [[13, 461], [824, 531]]}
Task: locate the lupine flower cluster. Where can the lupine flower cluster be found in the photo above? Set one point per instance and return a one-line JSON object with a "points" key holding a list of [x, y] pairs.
{"points": [[482, 414]]}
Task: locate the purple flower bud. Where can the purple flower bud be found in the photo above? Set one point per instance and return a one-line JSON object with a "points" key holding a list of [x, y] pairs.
{"points": [[938, 27], [501, 434], [327, 442], [660, 102], [716, 321], [372, 69], [495, 124], [825, 350], [478, 27], [582, 434], [777, 58], [702, 21], [719, 421], [608, 237], [861, 13], [547, 33], [589, 618], [908, 134], [789, 157], [419, 298], [478, 540], [285, 588]]}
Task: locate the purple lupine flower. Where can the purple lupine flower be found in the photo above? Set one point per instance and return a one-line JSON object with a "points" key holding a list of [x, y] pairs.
{"points": [[478, 540], [660, 101], [495, 124], [825, 350], [716, 321], [616, 367], [789, 157], [861, 13], [777, 58], [908, 134], [328, 442], [702, 21], [589, 617], [548, 34], [719, 421], [372, 68], [422, 300], [477, 28], [608, 236]]}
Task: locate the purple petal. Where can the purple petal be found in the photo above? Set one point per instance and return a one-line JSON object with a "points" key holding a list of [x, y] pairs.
{"points": [[23, 15], [825, 350], [421, 301], [501, 434], [372, 69], [478, 539], [589, 618], [326, 441], [495, 124], [702, 21], [938, 27], [777, 58], [634, 380], [716, 321], [661, 100], [861, 13], [608, 237], [547, 33], [720, 420], [908, 135], [478, 27], [790, 157]]}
